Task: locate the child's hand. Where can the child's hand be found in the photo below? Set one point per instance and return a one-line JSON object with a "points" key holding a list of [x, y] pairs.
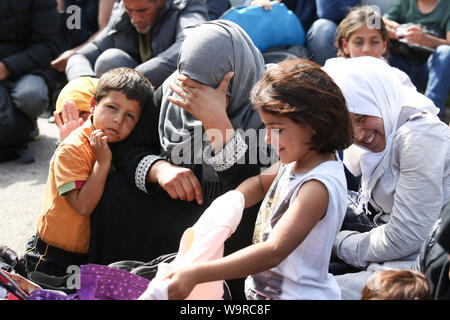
{"points": [[100, 147], [68, 120], [181, 283]]}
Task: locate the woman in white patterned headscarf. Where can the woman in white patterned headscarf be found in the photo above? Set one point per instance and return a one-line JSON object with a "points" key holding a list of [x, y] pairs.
{"points": [[402, 152]]}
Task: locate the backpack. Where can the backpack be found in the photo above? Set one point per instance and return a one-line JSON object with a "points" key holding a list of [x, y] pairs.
{"points": [[276, 27]]}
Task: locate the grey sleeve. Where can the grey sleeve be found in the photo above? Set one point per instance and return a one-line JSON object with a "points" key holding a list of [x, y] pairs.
{"points": [[417, 202]]}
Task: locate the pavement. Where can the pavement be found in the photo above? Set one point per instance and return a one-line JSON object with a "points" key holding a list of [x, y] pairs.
{"points": [[22, 189]]}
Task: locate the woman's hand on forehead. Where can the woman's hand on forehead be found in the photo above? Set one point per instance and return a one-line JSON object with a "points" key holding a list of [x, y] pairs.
{"points": [[200, 100]]}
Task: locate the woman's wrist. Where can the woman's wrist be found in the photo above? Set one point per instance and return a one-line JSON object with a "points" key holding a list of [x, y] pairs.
{"points": [[155, 169], [219, 131], [143, 171], [229, 155]]}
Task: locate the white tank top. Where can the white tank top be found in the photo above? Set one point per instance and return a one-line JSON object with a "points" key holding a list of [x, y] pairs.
{"points": [[304, 273]]}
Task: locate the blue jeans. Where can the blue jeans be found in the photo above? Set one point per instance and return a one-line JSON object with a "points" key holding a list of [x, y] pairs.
{"points": [[431, 76], [116, 58], [439, 77], [29, 94], [113, 58], [320, 40]]}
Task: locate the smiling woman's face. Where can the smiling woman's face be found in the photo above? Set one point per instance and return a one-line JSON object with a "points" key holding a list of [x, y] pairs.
{"points": [[369, 132]]}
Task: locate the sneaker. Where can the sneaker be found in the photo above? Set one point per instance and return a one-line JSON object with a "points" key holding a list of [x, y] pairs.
{"points": [[26, 155], [8, 255], [34, 134]]}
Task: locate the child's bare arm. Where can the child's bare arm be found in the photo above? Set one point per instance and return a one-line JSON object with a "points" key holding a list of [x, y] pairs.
{"points": [[308, 208], [255, 188], [85, 200]]}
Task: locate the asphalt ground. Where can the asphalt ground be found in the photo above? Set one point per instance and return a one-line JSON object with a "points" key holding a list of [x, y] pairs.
{"points": [[22, 189]]}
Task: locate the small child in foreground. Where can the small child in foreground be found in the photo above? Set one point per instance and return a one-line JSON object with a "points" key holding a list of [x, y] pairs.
{"points": [[397, 285], [78, 171], [304, 194]]}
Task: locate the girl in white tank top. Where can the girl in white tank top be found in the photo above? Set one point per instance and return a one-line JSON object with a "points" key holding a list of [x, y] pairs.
{"points": [[304, 194]]}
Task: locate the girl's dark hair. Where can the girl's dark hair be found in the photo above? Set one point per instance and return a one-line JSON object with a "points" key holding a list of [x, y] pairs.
{"points": [[357, 17], [130, 82], [300, 90]]}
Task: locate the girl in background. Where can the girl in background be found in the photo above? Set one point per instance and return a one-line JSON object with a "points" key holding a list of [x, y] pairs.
{"points": [[362, 33]]}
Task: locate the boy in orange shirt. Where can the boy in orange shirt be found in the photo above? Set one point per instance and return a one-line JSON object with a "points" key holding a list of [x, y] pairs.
{"points": [[78, 172]]}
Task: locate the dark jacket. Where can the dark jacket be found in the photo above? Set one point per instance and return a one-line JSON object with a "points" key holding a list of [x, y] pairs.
{"points": [[29, 36], [334, 10], [433, 258], [167, 35]]}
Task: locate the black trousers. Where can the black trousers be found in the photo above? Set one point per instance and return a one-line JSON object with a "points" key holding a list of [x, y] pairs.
{"points": [[42, 257]]}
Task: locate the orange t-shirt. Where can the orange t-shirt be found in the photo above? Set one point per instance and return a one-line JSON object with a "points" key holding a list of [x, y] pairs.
{"points": [[59, 224]]}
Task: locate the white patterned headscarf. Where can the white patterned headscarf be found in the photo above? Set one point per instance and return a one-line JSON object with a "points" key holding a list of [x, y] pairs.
{"points": [[372, 87]]}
